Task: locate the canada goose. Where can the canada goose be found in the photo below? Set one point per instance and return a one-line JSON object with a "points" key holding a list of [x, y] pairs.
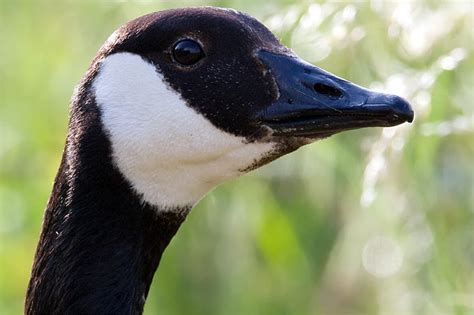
{"points": [[174, 103]]}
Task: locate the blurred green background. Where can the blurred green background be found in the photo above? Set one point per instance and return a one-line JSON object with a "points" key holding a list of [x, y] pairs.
{"points": [[376, 221]]}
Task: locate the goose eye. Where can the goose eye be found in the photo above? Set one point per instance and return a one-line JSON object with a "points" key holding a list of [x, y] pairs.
{"points": [[187, 52]]}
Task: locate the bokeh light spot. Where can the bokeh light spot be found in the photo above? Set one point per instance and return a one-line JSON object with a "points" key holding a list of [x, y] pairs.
{"points": [[382, 257]]}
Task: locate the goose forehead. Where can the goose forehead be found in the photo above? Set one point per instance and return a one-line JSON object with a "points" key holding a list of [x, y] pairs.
{"points": [[170, 153]]}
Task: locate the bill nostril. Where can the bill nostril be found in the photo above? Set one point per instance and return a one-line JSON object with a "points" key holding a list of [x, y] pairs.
{"points": [[327, 90]]}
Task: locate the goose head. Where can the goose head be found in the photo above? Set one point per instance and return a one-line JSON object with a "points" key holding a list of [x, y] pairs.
{"points": [[192, 97], [175, 103]]}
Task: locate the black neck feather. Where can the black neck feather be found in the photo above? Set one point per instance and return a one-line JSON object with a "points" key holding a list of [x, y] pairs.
{"points": [[100, 244]]}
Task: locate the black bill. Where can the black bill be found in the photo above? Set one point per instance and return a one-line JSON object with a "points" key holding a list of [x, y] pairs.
{"points": [[316, 103]]}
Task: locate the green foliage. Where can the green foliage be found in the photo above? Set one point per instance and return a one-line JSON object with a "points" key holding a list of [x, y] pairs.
{"points": [[375, 221]]}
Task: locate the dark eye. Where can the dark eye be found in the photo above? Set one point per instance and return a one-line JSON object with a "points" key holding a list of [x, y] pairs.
{"points": [[187, 52]]}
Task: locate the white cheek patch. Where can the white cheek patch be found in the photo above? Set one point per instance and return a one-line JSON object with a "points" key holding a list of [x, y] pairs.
{"points": [[170, 154]]}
